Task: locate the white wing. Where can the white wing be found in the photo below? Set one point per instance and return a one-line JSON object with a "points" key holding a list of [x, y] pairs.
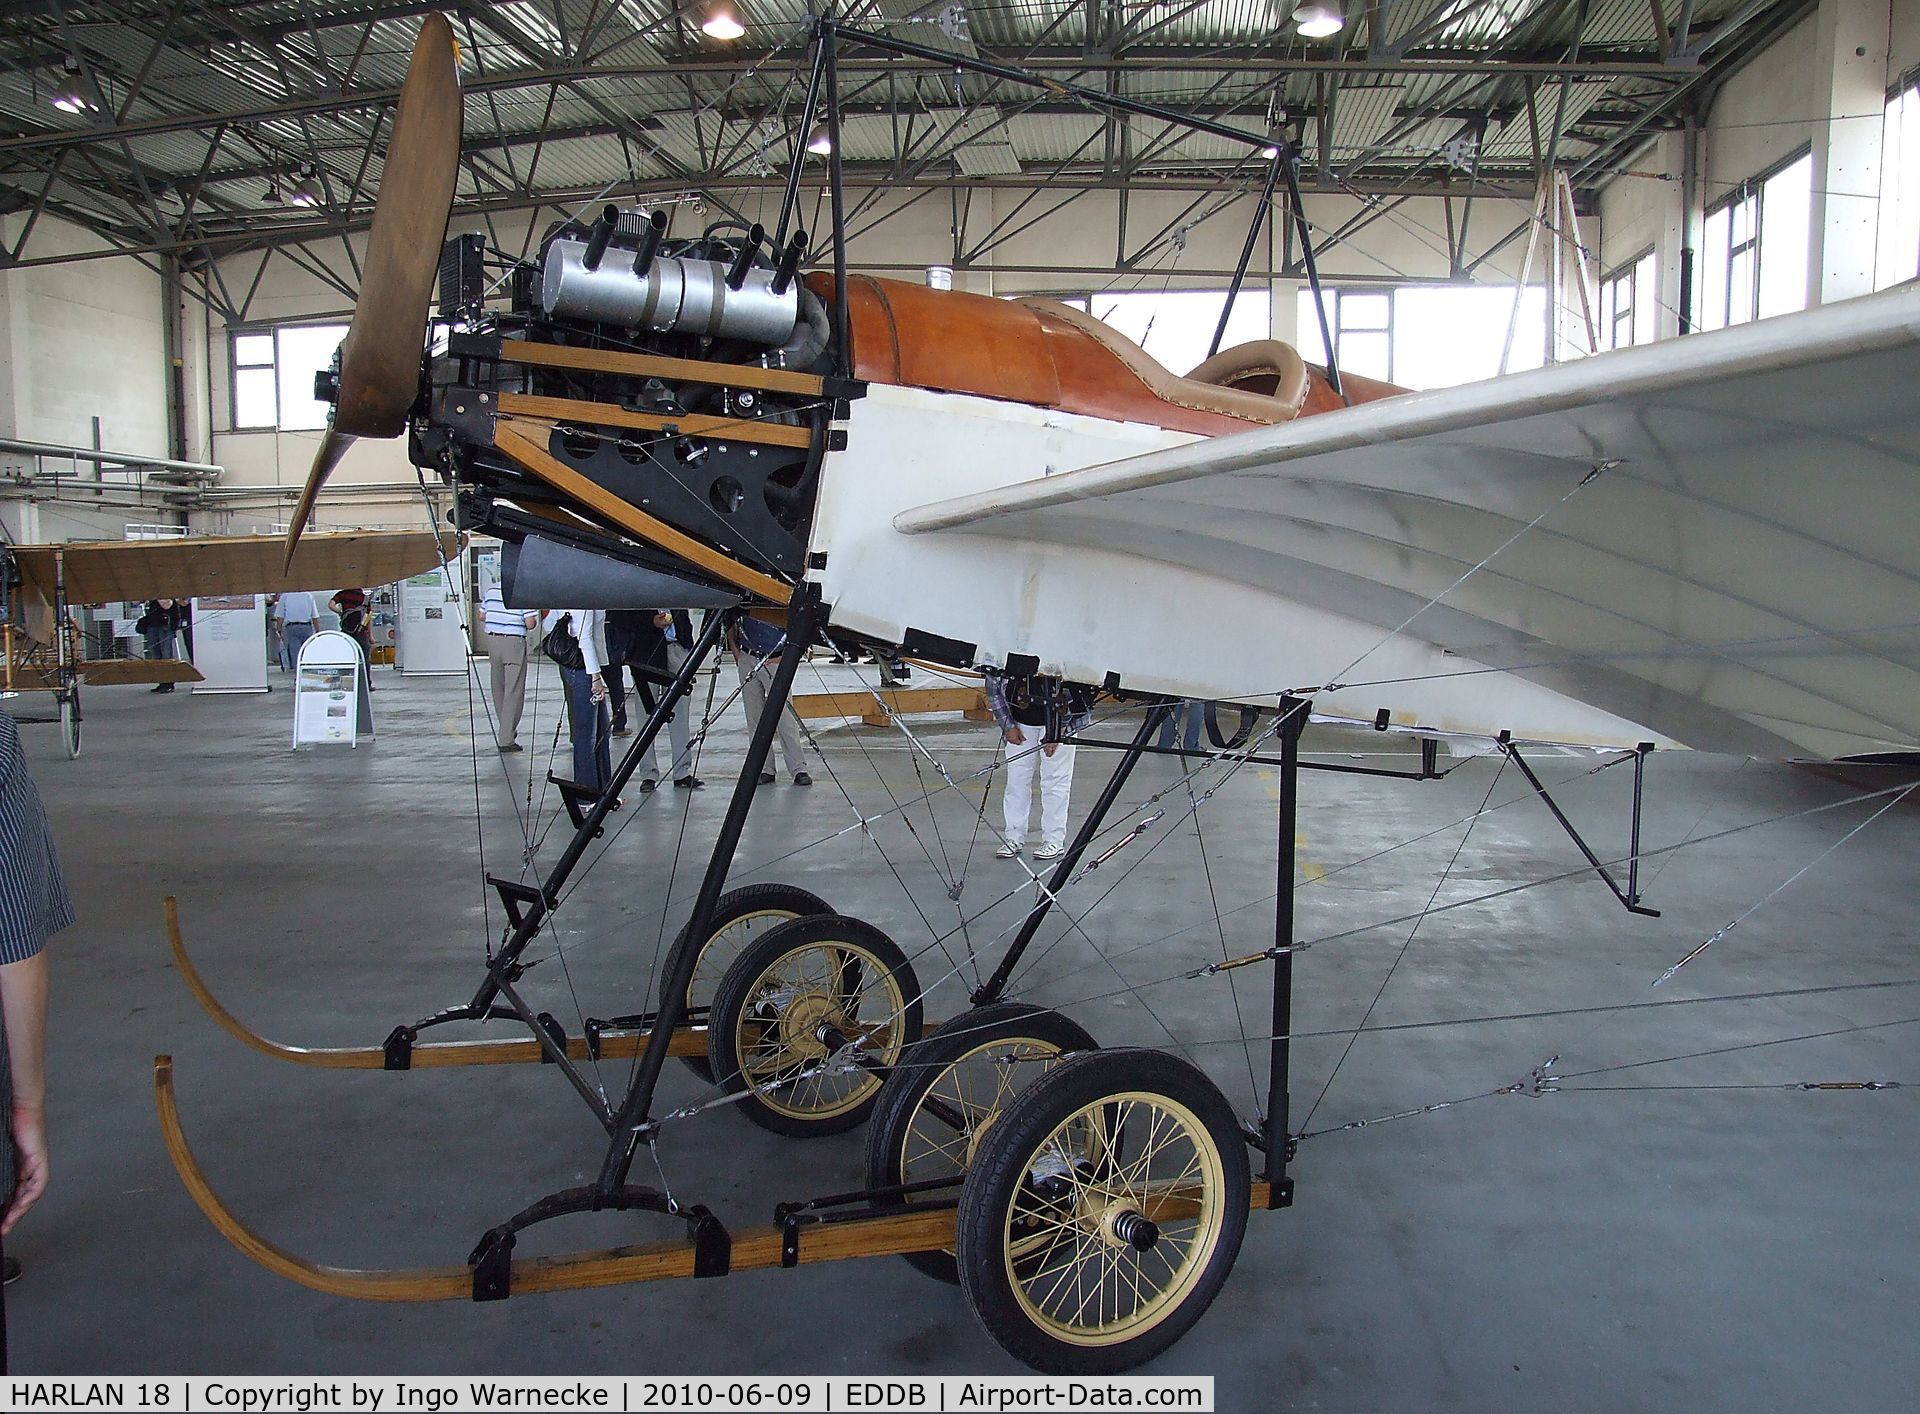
{"points": [[1742, 574]]}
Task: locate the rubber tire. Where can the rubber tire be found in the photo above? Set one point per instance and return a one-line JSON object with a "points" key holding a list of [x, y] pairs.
{"points": [[999, 1168], [734, 905], [736, 989], [70, 726], [930, 1059]]}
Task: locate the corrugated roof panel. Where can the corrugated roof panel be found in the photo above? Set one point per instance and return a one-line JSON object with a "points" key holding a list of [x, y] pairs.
{"points": [[571, 163], [1515, 140], [1047, 138], [1363, 113], [1022, 22]]}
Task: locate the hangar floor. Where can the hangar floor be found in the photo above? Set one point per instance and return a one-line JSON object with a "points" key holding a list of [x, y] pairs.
{"points": [[1692, 1241]]}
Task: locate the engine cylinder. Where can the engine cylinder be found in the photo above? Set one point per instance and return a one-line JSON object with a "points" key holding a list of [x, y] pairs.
{"points": [[676, 295]]}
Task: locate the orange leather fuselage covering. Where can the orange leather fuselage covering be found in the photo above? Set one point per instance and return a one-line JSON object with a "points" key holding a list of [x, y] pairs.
{"points": [[915, 336]]}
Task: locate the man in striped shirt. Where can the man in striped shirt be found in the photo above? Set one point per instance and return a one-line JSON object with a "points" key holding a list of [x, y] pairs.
{"points": [[507, 651], [34, 905]]}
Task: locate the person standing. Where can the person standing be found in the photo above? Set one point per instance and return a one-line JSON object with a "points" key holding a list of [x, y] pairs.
{"points": [[1036, 714], [1191, 713], [642, 641], [295, 613], [757, 647], [506, 631], [34, 905], [629, 649], [587, 718], [158, 627], [676, 627], [356, 622]]}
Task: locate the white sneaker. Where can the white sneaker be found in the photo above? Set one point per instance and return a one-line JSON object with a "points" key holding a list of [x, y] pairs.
{"points": [[1007, 851], [1050, 851]]}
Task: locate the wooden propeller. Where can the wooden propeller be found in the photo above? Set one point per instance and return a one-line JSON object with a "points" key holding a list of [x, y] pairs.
{"points": [[380, 357]]}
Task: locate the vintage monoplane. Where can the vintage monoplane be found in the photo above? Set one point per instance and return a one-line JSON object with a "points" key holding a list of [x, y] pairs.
{"points": [[41, 583], [1704, 543]]}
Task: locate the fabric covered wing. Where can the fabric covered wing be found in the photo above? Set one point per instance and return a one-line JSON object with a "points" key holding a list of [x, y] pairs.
{"points": [[1725, 551], [99, 571]]}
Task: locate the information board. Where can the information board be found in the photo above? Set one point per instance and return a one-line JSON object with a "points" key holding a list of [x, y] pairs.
{"points": [[432, 637], [230, 643], [330, 698]]}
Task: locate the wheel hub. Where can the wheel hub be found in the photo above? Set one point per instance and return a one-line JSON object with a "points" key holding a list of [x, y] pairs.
{"points": [[803, 1022]]}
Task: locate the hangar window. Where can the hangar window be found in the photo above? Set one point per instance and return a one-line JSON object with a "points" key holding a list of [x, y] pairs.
{"points": [[1426, 336], [273, 376], [1176, 326], [1629, 304], [1755, 246], [1899, 254]]}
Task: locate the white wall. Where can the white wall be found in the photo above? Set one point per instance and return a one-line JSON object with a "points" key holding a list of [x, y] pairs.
{"points": [[79, 342], [1763, 115]]}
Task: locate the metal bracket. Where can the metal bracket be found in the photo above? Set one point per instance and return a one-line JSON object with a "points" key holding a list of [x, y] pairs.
{"points": [[790, 1237], [551, 1025], [1630, 895], [492, 1263], [521, 901], [578, 800], [712, 1244], [398, 1049]]}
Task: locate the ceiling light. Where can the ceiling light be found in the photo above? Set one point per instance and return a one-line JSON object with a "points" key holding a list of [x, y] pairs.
{"points": [[1317, 21], [1269, 152], [720, 20], [306, 191], [70, 97], [819, 141], [272, 194]]}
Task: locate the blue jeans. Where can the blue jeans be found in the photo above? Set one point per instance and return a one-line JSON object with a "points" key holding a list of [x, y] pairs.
{"points": [[1195, 712], [293, 637], [592, 731]]}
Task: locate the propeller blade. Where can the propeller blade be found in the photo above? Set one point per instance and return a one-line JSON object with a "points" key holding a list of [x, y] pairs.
{"points": [[380, 357], [332, 447]]}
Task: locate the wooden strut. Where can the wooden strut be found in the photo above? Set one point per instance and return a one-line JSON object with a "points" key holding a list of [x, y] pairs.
{"points": [[680, 370], [753, 1249], [426, 1055], [537, 459], [691, 424]]}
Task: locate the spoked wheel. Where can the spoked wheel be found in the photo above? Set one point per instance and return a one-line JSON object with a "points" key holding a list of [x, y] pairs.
{"points": [[808, 1019], [70, 722], [937, 1105], [1103, 1212], [741, 916]]}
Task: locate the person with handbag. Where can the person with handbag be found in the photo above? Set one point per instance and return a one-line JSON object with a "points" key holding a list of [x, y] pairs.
{"points": [[356, 622], [158, 628], [576, 640]]}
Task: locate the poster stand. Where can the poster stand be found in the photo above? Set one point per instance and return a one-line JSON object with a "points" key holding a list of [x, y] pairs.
{"points": [[431, 638], [330, 696], [230, 643]]}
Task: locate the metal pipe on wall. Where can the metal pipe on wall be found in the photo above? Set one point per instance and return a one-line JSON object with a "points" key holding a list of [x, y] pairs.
{"points": [[102, 457]]}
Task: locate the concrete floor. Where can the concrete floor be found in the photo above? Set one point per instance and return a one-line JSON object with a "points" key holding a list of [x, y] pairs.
{"points": [[1712, 1248]]}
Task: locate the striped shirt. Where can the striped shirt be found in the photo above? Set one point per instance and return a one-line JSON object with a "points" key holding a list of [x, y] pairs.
{"points": [[34, 903], [510, 623]]}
